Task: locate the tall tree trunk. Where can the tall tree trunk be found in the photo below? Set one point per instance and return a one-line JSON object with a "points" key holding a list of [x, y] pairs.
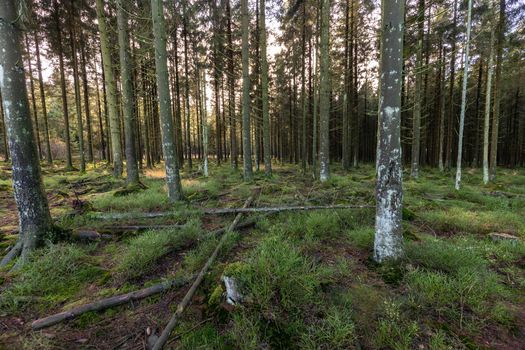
{"points": [[488, 97], [441, 164], [416, 117], [476, 114], [303, 92], [128, 98], [204, 121], [231, 84], [33, 210], [58, 28], [33, 99], [450, 127], [264, 92], [178, 115], [187, 87], [497, 93], [100, 123], [111, 88], [246, 142], [463, 98], [389, 196], [49, 157], [161, 64], [76, 83], [324, 94], [87, 110], [4, 129], [346, 142]]}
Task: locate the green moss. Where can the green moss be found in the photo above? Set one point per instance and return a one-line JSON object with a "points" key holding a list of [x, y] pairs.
{"points": [[216, 295]]}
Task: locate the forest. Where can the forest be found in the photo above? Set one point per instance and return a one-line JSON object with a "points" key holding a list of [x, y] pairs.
{"points": [[262, 174]]}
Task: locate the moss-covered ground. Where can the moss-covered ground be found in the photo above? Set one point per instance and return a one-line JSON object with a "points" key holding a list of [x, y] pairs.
{"points": [[307, 278]]}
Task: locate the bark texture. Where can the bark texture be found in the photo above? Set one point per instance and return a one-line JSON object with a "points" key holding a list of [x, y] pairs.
{"points": [[388, 242], [161, 64], [33, 210]]}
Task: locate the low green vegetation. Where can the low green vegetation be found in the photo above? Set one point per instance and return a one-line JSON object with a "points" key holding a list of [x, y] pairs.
{"points": [[141, 254], [307, 279], [53, 275]]}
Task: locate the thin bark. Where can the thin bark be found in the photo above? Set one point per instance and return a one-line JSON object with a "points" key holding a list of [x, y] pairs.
{"points": [[324, 94], [488, 97], [497, 93], [49, 157], [76, 83], [463, 98], [87, 110], [416, 117], [264, 92], [58, 28], [128, 98], [111, 88], [168, 144], [4, 129], [33, 99], [246, 141]]}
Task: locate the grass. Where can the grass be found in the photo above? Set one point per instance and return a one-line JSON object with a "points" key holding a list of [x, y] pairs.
{"points": [[307, 278], [141, 254], [52, 275]]}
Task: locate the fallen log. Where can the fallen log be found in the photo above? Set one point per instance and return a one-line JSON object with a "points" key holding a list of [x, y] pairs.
{"points": [[106, 303], [217, 211], [163, 338]]}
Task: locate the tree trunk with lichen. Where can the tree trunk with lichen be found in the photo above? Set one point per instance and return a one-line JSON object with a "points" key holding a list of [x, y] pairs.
{"points": [[488, 98], [388, 244], [324, 94], [65, 110], [49, 157], [161, 65], [264, 87], [111, 89], [246, 142], [33, 210], [463, 99], [128, 100], [497, 93], [416, 117]]}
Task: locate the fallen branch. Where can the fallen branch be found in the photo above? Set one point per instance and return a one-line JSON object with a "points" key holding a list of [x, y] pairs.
{"points": [[281, 209], [13, 253], [123, 216], [159, 344], [106, 303], [216, 211]]}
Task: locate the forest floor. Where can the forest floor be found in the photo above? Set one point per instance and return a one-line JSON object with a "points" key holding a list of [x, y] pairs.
{"points": [[307, 278]]}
